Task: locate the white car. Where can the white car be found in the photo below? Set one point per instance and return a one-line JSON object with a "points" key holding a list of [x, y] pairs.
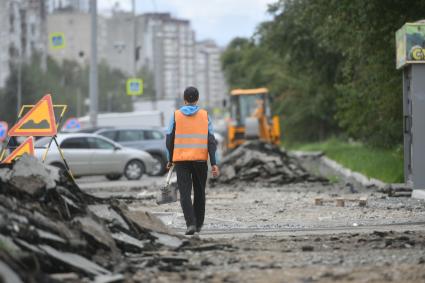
{"points": [[90, 154]]}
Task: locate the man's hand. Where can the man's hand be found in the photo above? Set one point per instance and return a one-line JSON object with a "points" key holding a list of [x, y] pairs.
{"points": [[169, 165], [215, 171]]}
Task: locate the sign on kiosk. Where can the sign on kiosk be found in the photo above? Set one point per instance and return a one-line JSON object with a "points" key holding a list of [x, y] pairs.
{"points": [[410, 41]]}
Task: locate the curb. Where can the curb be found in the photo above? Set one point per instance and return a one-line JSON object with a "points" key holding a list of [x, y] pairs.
{"points": [[418, 194], [347, 173]]}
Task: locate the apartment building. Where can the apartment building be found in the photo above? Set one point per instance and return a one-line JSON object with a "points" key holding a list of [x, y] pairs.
{"points": [[164, 45], [169, 53], [22, 33], [124, 47], [75, 27], [209, 75]]}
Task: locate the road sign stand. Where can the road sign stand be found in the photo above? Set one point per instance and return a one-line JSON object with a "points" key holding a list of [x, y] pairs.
{"points": [[62, 109], [68, 169], [26, 147]]}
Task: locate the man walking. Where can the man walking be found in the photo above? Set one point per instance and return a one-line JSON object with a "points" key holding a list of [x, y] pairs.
{"points": [[190, 139]]}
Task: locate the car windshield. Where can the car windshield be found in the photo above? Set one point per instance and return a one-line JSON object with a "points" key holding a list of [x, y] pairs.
{"points": [[247, 106], [43, 142]]}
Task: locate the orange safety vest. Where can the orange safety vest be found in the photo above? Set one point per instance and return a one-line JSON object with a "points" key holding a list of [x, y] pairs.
{"points": [[191, 136]]}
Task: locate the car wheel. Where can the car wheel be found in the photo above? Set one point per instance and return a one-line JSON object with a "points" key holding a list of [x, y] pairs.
{"points": [[134, 170], [158, 166], [113, 177]]}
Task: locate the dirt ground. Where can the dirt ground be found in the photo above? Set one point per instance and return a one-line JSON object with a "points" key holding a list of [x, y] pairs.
{"points": [[347, 257], [255, 233]]}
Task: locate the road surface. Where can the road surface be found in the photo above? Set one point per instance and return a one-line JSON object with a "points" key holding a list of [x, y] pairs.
{"points": [[263, 234]]}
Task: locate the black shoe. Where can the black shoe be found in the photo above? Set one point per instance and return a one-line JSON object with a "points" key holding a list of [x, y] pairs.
{"points": [[190, 230], [198, 229]]}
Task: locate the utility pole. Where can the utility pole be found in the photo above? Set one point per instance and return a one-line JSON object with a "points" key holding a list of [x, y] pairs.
{"points": [[135, 49], [93, 65], [134, 38]]}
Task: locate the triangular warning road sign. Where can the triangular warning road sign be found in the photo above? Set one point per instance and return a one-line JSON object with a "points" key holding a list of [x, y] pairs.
{"points": [[26, 147], [39, 121]]}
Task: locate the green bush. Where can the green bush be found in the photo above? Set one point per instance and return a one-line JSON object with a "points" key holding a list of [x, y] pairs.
{"points": [[330, 65]]}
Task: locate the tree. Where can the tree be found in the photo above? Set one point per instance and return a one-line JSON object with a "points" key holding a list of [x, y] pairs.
{"points": [[68, 84], [330, 64]]}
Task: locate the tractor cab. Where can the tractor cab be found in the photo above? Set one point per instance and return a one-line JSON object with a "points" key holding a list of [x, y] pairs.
{"points": [[251, 118]]}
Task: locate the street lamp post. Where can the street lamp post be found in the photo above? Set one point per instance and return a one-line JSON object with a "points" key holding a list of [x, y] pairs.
{"points": [[19, 84], [93, 65], [18, 59], [135, 50]]}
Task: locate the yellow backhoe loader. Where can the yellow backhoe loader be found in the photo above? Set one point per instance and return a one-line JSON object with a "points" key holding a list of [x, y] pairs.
{"points": [[251, 118]]}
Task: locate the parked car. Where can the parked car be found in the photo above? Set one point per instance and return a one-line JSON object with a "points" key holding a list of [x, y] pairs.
{"points": [[147, 139], [87, 130], [90, 154]]}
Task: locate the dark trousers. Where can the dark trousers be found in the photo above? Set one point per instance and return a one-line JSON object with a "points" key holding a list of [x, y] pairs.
{"points": [[192, 174]]}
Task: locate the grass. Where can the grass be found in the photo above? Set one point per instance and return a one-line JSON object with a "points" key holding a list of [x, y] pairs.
{"points": [[382, 164]]}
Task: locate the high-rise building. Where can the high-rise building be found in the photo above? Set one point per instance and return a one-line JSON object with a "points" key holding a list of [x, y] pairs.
{"points": [[160, 43], [75, 27], [22, 33], [209, 75], [123, 44], [169, 53]]}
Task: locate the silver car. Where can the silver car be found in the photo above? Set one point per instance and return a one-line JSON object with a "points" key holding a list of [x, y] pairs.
{"points": [[90, 154], [147, 139]]}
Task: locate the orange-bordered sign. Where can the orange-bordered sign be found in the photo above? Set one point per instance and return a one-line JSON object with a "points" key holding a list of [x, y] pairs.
{"points": [[39, 121], [26, 147]]}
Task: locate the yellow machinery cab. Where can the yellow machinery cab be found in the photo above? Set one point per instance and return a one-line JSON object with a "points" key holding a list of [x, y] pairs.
{"points": [[251, 118]]}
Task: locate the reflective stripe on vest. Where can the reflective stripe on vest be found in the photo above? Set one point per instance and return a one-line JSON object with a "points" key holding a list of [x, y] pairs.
{"points": [[191, 136]]}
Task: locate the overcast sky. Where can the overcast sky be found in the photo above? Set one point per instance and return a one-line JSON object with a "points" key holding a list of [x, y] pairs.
{"points": [[220, 20]]}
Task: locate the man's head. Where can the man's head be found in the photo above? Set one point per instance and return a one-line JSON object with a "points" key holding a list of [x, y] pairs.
{"points": [[191, 95]]}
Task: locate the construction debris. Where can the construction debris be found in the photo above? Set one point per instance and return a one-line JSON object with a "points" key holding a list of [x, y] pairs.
{"points": [[50, 230], [397, 190], [340, 202], [263, 163]]}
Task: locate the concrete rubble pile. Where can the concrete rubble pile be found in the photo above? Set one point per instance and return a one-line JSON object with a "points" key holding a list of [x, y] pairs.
{"points": [[50, 231], [263, 163]]}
